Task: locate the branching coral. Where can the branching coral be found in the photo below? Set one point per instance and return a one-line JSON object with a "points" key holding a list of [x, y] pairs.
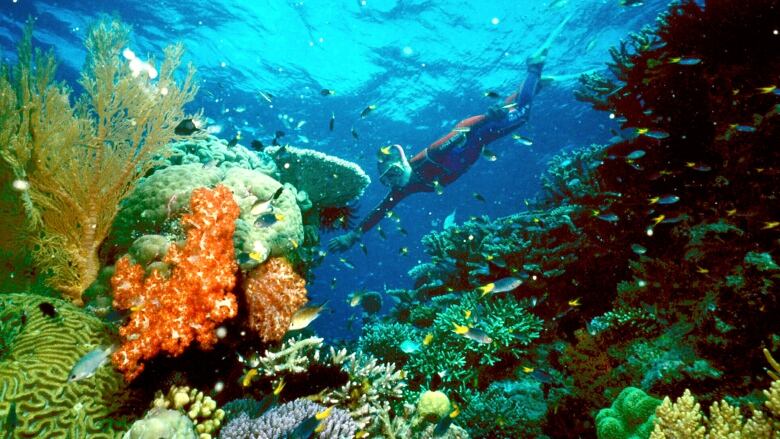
{"points": [[273, 292], [80, 161], [167, 314], [282, 420]]}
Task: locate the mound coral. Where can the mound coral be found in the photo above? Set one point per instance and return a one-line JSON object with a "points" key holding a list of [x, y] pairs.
{"points": [[35, 369], [162, 423], [167, 314], [273, 292], [79, 161]]}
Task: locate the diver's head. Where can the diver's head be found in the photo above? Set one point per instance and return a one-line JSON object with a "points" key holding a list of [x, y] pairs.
{"points": [[394, 168]]}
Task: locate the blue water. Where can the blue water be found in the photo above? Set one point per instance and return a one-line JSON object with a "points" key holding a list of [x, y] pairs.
{"points": [[424, 64]]}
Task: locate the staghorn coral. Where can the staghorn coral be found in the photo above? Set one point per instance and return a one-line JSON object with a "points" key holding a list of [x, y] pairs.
{"points": [[81, 160], [199, 408], [294, 356], [329, 181], [167, 314], [506, 409], [405, 425], [273, 292], [35, 370], [280, 421], [371, 387]]}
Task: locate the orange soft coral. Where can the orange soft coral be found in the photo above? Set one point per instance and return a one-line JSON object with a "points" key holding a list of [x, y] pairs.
{"points": [[274, 291], [168, 314]]}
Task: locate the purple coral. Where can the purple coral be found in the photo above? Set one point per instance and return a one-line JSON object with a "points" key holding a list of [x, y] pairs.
{"points": [[282, 420]]}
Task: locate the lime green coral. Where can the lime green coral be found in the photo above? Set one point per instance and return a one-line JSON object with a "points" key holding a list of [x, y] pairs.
{"points": [[34, 374], [433, 405], [630, 417]]}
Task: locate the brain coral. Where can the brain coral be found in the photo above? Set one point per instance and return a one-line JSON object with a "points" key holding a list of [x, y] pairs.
{"points": [[34, 375], [328, 180]]}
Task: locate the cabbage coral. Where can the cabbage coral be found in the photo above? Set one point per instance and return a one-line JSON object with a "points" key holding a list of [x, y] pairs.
{"points": [[273, 291], [78, 162]]}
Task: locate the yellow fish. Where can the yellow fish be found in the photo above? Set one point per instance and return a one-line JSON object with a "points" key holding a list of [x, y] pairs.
{"points": [[304, 316], [770, 225], [256, 256], [641, 131], [575, 302], [294, 243], [487, 288], [702, 270], [731, 212], [658, 219], [247, 380], [768, 89], [527, 369], [467, 313], [385, 149], [428, 339]]}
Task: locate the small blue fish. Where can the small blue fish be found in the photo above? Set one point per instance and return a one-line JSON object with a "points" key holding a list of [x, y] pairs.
{"points": [[689, 61], [666, 199], [638, 249], [409, 346], [638, 154], [608, 217], [90, 363], [449, 221], [657, 134], [745, 128]]}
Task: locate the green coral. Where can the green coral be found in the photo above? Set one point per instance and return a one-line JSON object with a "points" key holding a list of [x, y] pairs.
{"points": [[327, 180], [383, 341], [507, 409], [34, 374], [631, 416], [214, 152], [198, 407], [162, 423]]}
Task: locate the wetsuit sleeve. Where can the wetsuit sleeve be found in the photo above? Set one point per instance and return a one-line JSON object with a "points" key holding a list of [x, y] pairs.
{"points": [[380, 211]]}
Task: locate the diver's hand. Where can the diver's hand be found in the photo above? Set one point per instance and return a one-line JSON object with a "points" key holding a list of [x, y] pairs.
{"points": [[344, 242]]}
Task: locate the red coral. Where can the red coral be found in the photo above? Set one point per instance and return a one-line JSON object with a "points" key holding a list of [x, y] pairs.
{"points": [[169, 313], [274, 291]]}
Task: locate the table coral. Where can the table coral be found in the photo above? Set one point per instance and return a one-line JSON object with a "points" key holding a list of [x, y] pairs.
{"points": [[168, 314], [273, 292], [328, 180], [34, 373]]}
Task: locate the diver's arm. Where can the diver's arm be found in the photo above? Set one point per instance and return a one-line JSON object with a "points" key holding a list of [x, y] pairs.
{"points": [[344, 242], [380, 211]]}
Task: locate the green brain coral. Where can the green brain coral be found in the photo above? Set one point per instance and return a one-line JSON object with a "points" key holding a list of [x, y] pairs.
{"points": [[630, 417], [34, 374]]}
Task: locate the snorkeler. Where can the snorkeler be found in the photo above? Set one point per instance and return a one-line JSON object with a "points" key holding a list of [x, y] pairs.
{"points": [[446, 159]]}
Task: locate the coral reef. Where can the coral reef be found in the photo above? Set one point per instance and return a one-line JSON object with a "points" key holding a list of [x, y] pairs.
{"points": [[273, 292], [282, 420], [34, 373], [167, 314], [78, 161], [199, 408], [507, 409], [158, 201], [684, 418], [328, 181], [211, 151], [630, 416], [162, 423]]}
